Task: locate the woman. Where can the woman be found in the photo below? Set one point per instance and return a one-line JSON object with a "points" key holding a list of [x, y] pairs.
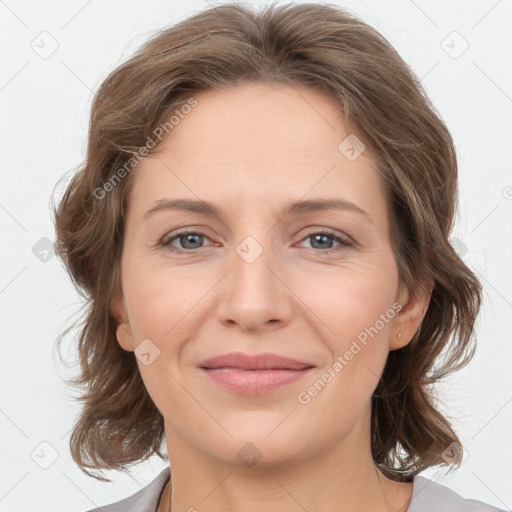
{"points": [[261, 228]]}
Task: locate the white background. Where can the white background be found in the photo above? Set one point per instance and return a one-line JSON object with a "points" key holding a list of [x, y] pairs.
{"points": [[45, 106]]}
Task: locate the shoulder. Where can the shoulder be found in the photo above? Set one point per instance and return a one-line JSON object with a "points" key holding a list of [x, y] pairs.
{"points": [[430, 496], [144, 500]]}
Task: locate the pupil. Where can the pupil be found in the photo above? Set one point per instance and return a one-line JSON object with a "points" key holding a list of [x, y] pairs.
{"points": [[321, 238], [190, 238]]}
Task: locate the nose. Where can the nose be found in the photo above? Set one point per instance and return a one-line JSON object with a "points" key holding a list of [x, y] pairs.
{"points": [[255, 294]]}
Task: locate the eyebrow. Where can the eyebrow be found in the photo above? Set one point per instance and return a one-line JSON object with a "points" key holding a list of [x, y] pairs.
{"points": [[293, 207]]}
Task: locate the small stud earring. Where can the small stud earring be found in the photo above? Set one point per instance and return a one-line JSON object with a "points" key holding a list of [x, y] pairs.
{"points": [[400, 335]]}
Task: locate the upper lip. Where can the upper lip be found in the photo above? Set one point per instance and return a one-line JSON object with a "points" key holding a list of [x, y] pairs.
{"points": [[265, 361]]}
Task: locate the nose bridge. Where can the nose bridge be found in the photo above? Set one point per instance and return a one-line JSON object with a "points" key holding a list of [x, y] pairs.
{"points": [[253, 294]]}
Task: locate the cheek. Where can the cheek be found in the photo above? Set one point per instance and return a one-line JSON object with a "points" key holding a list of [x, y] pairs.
{"points": [[357, 306], [161, 309], [160, 301], [354, 302], [359, 311]]}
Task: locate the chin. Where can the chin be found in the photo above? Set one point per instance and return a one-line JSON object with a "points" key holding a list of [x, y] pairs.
{"points": [[261, 443], [257, 453]]}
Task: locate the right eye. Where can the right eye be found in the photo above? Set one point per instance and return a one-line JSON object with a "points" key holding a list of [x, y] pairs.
{"points": [[185, 239]]}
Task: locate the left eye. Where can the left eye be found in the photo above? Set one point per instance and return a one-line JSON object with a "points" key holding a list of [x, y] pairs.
{"points": [[320, 239], [192, 240]]}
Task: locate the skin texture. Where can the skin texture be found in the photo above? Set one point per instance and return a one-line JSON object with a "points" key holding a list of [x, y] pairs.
{"points": [[250, 150]]}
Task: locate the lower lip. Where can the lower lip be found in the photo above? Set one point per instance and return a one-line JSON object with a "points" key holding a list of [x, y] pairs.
{"points": [[254, 382]]}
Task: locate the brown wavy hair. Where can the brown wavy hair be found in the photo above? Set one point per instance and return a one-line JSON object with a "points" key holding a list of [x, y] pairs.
{"points": [[328, 49]]}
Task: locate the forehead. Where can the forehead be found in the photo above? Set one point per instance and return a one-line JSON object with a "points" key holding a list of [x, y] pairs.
{"points": [[258, 144]]}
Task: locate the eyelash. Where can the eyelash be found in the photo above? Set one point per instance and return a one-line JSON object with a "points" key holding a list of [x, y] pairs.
{"points": [[344, 242]]}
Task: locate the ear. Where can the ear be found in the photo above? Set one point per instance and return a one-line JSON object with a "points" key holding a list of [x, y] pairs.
{"points": [[410, 316], [123, 331]]}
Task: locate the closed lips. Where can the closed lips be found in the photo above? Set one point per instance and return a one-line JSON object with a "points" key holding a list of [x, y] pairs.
{"points": [[249, 362], [254, 374]]}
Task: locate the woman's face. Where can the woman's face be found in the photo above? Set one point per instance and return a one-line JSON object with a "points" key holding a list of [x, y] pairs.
{"points": [[258, 276]]}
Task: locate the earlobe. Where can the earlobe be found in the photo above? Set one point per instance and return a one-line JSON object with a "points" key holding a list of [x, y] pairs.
{"points": [[123, 330], [409, 319], [124, 337]]}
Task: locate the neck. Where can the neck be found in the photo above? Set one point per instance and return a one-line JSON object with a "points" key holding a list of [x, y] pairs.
{"points": [[341, 478]]}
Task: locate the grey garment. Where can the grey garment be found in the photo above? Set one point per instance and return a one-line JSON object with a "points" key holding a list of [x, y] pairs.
{"points": [[427, 496], [145, 500]]}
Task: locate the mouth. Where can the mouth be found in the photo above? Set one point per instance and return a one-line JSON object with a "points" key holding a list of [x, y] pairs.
{"points": [[253, 374]]}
